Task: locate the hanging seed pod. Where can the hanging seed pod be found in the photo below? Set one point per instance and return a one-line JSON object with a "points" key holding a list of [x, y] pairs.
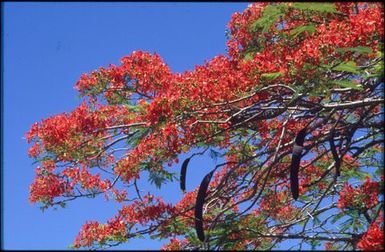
{"points": [[199, 206], [295, 161], [337, 160], [183, 171]]}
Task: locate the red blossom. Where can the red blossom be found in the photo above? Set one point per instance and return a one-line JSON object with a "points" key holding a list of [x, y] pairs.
{"points": [[46, 187], [364, 197], [175, 244], [373, 239]]}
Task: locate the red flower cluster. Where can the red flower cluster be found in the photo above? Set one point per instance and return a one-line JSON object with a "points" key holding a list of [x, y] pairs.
{"points": [[139, 212], [277, 205], [46, 187], [175, 244], [94, 232], [143, 212], [284, 50], [62, 133], [86, 179], [373, 239], [364, 197]]}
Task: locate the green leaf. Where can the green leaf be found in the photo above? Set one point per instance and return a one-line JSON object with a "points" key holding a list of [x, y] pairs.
{"points": [[379, 172], [249, 56], [355, 173], [300, 29], [270, 16], [219, 138], [378, 70], [359, 49], [271, 76], [271, 10], [135, 139], [337, 217], [314, 244], [321, 7], [133, 108], [348, 84], [346, 225], [159, 177], [304, 198], [349, 66]]}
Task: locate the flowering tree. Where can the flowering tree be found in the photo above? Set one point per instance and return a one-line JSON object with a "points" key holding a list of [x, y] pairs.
{"points": [[293, 111]]}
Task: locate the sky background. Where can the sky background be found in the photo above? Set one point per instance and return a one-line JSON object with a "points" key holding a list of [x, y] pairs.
{"points": [[46, 47]]}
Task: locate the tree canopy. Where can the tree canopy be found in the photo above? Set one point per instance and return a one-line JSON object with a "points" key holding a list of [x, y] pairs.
{"points": [[293, 111]]}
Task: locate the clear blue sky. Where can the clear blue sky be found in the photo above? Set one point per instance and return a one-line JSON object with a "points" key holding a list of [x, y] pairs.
{"points": [[47, 46]]}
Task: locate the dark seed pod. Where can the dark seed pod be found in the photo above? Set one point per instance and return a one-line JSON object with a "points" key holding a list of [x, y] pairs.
{"points": [[295, 161], [337, 160], [294, 169], [199, 206], [300, 138], [183, 171]]}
